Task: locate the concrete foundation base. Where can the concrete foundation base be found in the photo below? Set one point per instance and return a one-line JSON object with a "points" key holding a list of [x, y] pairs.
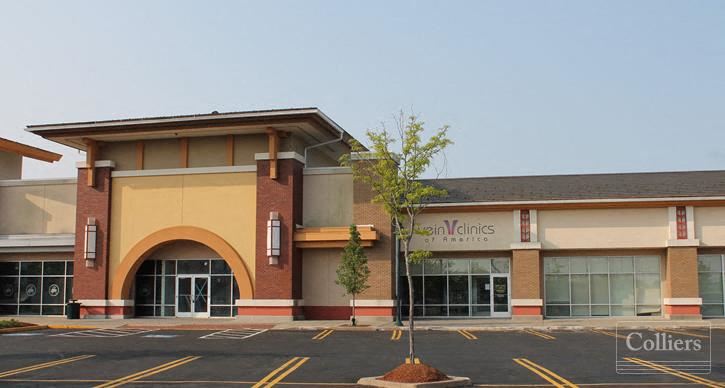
{"points": [[452, 382]]}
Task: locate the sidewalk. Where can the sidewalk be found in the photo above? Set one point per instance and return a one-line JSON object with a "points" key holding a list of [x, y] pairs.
{"points": [[420, 324]]}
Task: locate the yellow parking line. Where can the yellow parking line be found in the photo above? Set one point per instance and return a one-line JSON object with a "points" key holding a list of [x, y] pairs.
{"points": [[609, 333], [672, 331], [544, 373], [467, 334], [44, 365], [396, 335], [322, 335], [148, 372], [287, 372], [265, 381], [675, 372], [538, 334]]}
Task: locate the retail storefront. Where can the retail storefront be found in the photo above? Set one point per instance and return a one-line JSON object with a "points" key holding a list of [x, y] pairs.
{"points": [[245, 214], [459, 288], [35, 287]]}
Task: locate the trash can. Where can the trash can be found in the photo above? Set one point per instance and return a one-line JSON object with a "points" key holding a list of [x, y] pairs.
{"points": [[73, 310]]}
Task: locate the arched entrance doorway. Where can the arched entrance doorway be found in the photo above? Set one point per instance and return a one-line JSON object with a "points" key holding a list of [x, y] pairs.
{"points": [[182, 271]]}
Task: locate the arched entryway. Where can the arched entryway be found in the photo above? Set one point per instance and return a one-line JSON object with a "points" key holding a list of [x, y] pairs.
{"points": [[183, 260]]}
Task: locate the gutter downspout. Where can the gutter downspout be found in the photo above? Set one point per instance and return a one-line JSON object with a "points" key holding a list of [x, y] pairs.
{"points": [[341, 138]]}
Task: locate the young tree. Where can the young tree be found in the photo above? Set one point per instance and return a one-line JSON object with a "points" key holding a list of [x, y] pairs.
{"points": [[353, 271], [393, 172]]}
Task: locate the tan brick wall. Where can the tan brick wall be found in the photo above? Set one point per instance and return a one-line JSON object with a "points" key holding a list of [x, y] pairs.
{"points": [[381, 259], [681, 279], [525, 274]]}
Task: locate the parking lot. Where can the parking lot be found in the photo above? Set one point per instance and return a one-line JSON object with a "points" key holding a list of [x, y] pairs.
{"points": [[332, 357]]}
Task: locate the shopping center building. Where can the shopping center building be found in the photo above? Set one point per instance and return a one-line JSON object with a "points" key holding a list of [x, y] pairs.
{"points": [[245, 215]]}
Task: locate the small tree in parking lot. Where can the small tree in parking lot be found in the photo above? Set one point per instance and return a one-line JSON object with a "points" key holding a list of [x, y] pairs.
{"points": [[353, 271], [393, 172]]}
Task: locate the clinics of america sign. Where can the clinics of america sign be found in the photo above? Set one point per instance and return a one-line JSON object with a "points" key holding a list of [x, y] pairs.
{"points": [[465, 231]]}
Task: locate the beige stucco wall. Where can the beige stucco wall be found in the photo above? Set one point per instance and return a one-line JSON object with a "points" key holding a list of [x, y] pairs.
{"points": [[710, 225], [159, 154], [603, 228], [468, 231], [318, 278], [11, 165], [246, 146], [183, 250], [37, 209], [207, 151], [121, 153], [327, 200], [224, 204]]}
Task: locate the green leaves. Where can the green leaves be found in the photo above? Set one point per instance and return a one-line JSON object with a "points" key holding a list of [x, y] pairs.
{"points": [[353, 271]]}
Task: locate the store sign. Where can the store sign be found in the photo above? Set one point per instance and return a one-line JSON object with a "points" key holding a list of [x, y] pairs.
{"points": [[465, 231]]}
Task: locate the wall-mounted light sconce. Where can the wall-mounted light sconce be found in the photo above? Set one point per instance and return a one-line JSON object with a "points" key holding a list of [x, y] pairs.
{"points": [[274, 227], [91, 234]]}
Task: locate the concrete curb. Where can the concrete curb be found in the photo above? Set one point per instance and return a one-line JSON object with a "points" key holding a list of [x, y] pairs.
{"points": [[71, 327], [452, 382], [20, 329]]}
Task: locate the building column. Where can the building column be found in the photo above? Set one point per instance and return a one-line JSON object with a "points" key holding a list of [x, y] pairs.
{"points": [[90, 273], [681, 293], [378, 301], [526, 295], [278, 283]]}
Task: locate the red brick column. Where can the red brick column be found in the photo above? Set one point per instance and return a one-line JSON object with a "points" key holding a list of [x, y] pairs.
{"points": [[91, 283], [278, 286], [526, 301], [681, 289]]}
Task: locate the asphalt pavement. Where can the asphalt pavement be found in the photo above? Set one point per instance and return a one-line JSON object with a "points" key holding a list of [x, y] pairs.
{"points": [[331, 357]]}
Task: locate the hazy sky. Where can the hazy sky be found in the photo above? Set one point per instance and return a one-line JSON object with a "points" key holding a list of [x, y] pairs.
{"points": [[535, 87]]}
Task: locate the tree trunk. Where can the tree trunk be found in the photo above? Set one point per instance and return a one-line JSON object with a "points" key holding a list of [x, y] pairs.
{"points": [[353, 309], [411, 321]]}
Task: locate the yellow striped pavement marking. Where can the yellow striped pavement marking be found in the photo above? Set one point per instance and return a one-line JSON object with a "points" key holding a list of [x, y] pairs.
{"points": [[539, 334], [677, 373], [322, 335], [148, 372], [544, 373], [44, 365]]}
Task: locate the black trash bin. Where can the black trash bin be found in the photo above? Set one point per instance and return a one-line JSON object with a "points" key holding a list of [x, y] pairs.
{"points": [[73, 310]]}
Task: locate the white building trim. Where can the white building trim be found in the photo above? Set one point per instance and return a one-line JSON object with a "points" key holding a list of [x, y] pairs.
{"points": [[270, 302], [37, 182], [683, 301], [99, 163], [184, 171], [373, 303], [280, 156]]}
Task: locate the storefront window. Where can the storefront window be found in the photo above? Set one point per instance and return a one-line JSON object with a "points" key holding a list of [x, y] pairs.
{"points": [[602, 286], [156, 287], [35, 287], [458, 287], [712, 282]]}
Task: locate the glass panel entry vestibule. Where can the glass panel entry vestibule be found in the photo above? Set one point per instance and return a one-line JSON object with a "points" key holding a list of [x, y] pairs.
{"points": [[459, 288], [711, 275], [185, 288], [602, 286]]}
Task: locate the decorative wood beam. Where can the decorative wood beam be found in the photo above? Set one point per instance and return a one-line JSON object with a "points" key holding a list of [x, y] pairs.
{"points": [[139, 154], [333, 237], [273, 142], [28, 151], [184, 158], [91, 156], [230, 150]]}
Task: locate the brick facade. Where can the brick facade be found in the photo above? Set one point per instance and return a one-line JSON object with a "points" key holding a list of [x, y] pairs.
{"points": [[526, 280], [92, 283], [283, 195], [681, 283]]}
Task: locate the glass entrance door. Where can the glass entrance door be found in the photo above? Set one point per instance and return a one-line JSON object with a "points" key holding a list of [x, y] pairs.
{"points": [[500, 296], [192, 296]]}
